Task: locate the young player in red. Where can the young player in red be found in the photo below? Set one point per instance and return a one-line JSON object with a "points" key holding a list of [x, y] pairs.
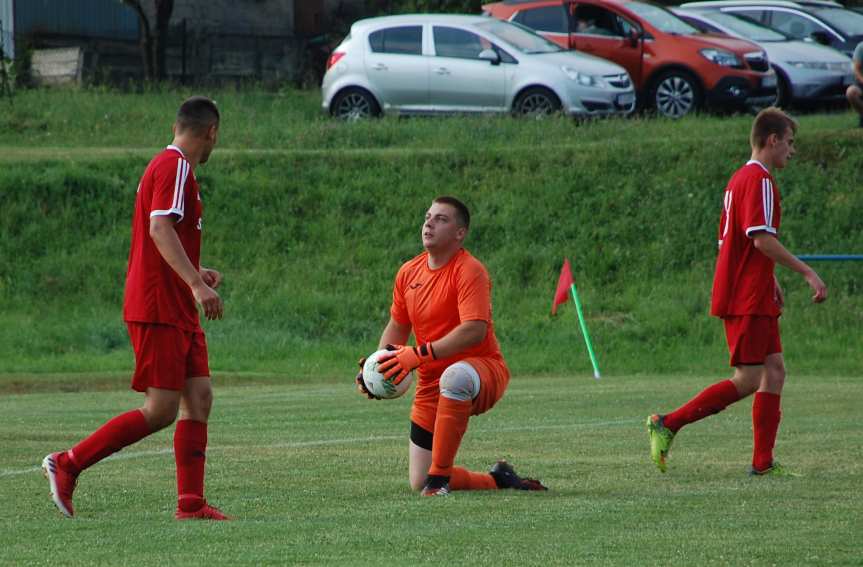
{"points": [[164, 282], [444, 297], [747, 297]]}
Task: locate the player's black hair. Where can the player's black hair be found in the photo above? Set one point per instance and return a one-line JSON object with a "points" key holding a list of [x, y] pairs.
{"points": [[462, 214], [198, 114]]}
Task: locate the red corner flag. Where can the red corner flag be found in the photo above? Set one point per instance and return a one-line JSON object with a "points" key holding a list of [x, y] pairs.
{"points": [[563, 284]]}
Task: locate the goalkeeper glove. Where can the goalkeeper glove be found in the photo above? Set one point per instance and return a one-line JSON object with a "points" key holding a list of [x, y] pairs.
{"points": [[397, 365]]}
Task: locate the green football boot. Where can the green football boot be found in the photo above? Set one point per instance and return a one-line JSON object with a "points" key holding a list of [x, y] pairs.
{"points": [[660, 440], [774, 469]]}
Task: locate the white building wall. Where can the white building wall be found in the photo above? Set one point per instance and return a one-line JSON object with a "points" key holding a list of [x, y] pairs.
{"points": [[8, 28]]}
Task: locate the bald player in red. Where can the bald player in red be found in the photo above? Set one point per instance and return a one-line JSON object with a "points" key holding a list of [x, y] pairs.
{"points": [[443, 296], [748, 299], [165, 283]]}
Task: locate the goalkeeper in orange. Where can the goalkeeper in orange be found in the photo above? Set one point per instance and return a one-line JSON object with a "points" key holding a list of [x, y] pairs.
{"points": [[443, 296]]}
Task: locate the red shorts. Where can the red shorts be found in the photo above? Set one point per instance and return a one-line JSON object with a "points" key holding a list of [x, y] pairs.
{"points": [[165, 356], [493, 380], [751, 338]]}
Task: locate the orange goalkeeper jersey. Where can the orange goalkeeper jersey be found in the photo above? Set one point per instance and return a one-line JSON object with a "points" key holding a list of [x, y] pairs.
{"points": [[434, 302]]}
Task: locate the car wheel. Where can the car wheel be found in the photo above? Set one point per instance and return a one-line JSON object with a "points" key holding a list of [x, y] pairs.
{"points": [[351, 105], [676, 94], [536, 102], [783, 91], [782, 98]]}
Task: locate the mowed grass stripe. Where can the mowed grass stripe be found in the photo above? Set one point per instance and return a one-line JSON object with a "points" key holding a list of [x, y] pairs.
{"points": [[322, 442], [87, 153]]}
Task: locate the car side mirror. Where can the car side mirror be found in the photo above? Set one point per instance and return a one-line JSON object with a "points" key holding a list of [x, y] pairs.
{"points": [[490, 55], [821, 37]]}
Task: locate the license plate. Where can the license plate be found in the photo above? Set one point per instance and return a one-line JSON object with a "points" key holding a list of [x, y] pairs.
{"points": [[769, 81], [625, 99]]}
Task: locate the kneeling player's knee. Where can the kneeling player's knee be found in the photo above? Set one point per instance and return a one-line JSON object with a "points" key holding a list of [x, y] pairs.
{"points": [[460, 381]]}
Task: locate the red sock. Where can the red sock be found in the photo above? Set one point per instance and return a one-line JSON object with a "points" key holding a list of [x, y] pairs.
{"points": [[119, 432], [449, 427], [709, 401], [190, 453], [463, 479], [765, 423]]}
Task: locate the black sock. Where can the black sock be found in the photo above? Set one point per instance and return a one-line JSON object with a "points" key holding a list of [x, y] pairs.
{"points": [[434, 481]]}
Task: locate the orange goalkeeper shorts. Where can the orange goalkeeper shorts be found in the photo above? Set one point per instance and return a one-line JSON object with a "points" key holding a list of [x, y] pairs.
{"points": [[493, 380]]}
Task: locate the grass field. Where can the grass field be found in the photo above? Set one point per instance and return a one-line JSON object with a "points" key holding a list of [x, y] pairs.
{"points": [[317, 475]]}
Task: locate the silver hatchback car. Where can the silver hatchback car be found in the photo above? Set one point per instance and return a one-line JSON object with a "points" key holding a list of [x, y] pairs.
{"points": [[427, 64]]}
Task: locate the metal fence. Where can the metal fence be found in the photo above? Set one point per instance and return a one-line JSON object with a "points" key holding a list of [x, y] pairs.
{"points": [[192, 56], [200, 56]]}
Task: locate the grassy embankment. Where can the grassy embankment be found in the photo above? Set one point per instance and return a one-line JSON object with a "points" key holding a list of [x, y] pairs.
{"points": [[309, 219]]}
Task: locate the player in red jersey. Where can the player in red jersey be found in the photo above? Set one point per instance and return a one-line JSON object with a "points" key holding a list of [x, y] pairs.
{"points": [[444, 297], [164, 282], [748, 298]]}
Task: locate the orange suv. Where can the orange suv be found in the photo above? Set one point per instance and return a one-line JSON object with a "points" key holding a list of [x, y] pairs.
{"points": [[676, 69]]}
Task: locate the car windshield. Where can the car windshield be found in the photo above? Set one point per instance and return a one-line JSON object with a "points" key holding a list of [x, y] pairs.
{"points": [[745, 28], [518, 36], [661, 19], [846, 21]]}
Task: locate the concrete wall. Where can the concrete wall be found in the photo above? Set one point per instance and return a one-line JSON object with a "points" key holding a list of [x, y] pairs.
{"points": [[62, 66]]}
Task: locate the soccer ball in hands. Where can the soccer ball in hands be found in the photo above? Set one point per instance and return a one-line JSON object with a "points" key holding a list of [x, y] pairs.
{"points": [[380, 386]]}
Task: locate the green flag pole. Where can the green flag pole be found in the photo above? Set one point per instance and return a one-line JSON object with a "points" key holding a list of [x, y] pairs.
{"points": [[584, 331]]}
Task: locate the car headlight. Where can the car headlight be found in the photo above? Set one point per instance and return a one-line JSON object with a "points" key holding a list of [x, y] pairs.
{"points": [[582, 79], [721, 57]]}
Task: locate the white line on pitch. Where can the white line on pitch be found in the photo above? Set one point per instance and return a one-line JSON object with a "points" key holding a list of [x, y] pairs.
{"points": [[325, 442]]}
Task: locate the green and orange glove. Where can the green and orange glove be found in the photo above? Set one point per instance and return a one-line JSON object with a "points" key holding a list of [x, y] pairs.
{"points": [[397, 365]]}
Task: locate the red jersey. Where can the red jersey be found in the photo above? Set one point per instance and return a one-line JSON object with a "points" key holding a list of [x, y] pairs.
{"points": [[743, 283], [154, 291], [434, 302]]}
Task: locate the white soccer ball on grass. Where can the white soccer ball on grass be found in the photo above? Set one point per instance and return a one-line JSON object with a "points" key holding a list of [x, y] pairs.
{"points": [[380, 386]]}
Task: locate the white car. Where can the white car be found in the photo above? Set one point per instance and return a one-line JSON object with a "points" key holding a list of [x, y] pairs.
{"points": [[427, 64], [823, 21], [806, 71]]}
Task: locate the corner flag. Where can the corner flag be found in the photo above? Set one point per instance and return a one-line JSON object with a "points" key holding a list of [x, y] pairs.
{"points": [[566, 283]]}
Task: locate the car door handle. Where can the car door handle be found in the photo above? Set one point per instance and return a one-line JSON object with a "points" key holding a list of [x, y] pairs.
{"points": [[380, 67], [442, 71]]}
